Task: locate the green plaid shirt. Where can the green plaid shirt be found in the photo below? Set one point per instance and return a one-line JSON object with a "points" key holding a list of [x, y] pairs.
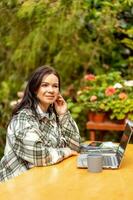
{"points": [[37, 141]]}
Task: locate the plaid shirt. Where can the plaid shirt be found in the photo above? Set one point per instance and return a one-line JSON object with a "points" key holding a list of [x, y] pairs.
{"points": [[37, 141]]}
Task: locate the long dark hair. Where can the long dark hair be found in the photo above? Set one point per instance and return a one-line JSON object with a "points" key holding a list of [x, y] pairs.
{"points": [[30, 99]]}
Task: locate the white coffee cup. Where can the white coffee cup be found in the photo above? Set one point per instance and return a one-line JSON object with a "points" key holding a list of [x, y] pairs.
{"points": [[95, 163]]}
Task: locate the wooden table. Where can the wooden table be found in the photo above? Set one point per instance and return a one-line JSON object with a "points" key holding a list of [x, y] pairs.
{"points": [[103, 126], [64, 181]]}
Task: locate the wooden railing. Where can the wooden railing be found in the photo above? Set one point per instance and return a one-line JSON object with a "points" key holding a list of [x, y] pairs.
{"points": [[103, 126]]}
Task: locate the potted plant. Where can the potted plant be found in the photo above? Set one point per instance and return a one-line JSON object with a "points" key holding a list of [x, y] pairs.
{"points": [[120, 105], [106, 93]]}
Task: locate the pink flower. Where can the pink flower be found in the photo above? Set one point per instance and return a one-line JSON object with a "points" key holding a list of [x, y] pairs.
{"points": [[123, 95], [93, 98], [110, 91], [89, 77]]}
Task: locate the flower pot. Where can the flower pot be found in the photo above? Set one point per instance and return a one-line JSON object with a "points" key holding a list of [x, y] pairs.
{"points": [[97, 117], [91, 116]]}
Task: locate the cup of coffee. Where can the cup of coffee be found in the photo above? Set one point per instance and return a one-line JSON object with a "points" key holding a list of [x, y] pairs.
{"points": [[95, 163]]}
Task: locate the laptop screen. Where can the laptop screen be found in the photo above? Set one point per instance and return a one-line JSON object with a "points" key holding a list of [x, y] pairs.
{"points": [[124, 141]]}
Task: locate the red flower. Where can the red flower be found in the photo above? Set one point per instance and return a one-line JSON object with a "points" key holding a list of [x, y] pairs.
{"points": [[110, 91], [89, 77], [123, 95]]}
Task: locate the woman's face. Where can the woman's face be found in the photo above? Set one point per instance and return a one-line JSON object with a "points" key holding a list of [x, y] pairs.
{"points": [[48, 91]]}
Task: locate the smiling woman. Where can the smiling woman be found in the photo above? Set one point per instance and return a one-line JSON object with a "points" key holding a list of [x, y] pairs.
{"points": [[41, 131], [48, 91]]}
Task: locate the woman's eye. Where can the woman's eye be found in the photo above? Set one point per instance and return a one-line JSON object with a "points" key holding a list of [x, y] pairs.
{"points": [[44, 85], [47, 85], [56, 86]]}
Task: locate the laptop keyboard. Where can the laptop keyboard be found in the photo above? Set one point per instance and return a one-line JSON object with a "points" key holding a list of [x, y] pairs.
{"points": [[109, 161]]}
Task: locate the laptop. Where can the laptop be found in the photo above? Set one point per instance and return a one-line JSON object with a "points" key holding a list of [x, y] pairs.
{"points": [[111, 159]]}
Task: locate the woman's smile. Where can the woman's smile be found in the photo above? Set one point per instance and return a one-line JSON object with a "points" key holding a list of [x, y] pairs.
{"points": [[49, 96]]}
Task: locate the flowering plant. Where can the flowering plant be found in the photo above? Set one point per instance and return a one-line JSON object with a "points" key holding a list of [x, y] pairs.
{"points": [[107, 93]]}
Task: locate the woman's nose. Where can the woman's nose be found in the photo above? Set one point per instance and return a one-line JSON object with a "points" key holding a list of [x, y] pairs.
{"points": [[50, 89]]}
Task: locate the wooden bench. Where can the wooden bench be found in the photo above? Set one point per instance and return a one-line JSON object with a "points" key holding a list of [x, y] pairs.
{"points": [[103, 126]]}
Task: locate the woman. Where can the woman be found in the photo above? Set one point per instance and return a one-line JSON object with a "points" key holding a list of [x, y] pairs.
{"points": [[41, 131]]}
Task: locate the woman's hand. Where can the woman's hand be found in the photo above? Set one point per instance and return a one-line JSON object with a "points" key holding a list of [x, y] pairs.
{"points": [[60, 105]]}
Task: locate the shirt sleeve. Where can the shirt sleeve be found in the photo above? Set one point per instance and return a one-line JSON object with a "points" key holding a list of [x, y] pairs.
{"points": [[70, 131], [29, 146]]}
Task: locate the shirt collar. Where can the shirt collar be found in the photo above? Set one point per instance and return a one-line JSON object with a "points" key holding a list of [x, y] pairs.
{"points": [[42, 114]]}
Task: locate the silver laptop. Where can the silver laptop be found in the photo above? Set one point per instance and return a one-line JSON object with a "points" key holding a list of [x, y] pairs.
{"points": [[110, 159]]}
